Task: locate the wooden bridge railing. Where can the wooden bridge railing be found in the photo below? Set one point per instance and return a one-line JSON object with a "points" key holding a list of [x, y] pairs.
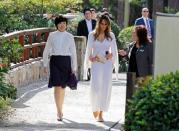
{"points": [[33, 42]]}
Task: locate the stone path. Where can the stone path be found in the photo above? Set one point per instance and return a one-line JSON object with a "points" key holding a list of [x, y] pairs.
{"points": [[34, 110]]}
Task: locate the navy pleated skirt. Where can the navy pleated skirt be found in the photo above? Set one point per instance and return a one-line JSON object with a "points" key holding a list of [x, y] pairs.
{"points": [[60, 70]]}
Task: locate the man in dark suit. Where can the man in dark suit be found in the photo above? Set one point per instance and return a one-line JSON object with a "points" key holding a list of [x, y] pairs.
{"points": [[147, 22], [85, 26]]}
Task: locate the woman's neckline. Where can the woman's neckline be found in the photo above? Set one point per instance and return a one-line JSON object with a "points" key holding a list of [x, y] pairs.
{"points": [[61, 31], [102, 40]]}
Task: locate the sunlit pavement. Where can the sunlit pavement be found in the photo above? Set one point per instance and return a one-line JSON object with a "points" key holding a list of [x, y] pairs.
{"points": [[34, 110]]}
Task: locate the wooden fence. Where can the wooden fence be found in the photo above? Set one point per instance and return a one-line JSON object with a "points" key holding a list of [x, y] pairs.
{"points": [[33, 42]]}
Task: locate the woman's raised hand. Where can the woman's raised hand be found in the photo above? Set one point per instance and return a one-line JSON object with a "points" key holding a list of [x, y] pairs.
{"points": [[122, 52]]}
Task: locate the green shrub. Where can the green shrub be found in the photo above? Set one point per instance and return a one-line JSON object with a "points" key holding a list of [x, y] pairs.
{"points": [[4, 107], [135, 8], [170, 10], [3, 104], [11, 51], [73, 24], [6, 90], [116, 29], [125, 36], [155, 107]]}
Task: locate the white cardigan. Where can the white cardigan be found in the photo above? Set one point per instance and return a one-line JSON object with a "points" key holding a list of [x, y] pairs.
{"points": [[89, 50]]}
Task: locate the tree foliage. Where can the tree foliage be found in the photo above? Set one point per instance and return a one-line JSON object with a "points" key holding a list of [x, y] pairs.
{"points": [[23, 14], [125, 36]]}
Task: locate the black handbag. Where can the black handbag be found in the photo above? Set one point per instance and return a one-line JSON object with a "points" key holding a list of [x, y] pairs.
{"points": [[72, 82]]}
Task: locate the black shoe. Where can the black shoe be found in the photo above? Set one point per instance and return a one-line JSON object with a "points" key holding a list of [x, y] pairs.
{"points": [[60, 118], [89, 77]]}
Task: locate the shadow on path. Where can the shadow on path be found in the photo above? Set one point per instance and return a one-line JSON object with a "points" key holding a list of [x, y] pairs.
{"points": [[65, 125], [26, 93]]}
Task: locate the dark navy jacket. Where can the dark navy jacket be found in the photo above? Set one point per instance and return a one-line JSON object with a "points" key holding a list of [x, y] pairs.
{"points": [[82, 29], [140, 21]]}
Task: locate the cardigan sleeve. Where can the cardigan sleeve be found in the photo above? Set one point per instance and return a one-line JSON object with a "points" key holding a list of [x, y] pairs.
{"points": [[88, 52], [47, 51], [73, 54], [114, 52]]}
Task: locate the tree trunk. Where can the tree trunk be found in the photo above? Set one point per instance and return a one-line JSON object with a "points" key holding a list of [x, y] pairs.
{"points": [[126, 13], [158, 6], [106, 3], [120, 13], [85, 3], [150, 7]]}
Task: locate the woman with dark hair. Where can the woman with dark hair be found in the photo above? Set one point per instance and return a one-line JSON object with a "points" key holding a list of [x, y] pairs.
{"points": [[102, 56], [140, 53], [61, 50]]}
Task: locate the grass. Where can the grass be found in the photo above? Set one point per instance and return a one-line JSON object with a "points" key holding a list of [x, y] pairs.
{"points": [[4, 107]]}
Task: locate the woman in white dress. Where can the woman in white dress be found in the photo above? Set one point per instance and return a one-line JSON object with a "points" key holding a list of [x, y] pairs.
{"points": [[102, 56], [61, 50]]}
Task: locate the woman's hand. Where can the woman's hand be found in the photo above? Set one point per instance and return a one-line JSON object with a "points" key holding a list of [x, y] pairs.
{"points": [[109, 56], [92, 59], [122, 52], [45, 70], [74, 72]]}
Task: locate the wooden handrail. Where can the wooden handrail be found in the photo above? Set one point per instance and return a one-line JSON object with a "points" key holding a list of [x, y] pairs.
{"points": [[25, 32], [34, 45], [33, 50]]}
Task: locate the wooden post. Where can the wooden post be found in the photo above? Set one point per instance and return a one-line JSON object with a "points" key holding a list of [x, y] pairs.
{"points": [[30, 43], [21, 41], [80, 42], [46, 35], [30, 39]]}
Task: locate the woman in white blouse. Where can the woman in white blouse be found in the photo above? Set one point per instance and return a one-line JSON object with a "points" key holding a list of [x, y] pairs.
{"points": [[102, 55], [61, 50]]}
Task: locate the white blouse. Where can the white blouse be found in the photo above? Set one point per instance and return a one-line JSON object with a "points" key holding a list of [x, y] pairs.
{"points": [[60, 43]]}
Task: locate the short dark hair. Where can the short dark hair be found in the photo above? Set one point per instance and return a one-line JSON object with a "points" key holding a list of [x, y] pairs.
{"points": [[59, 19], [86, 9]]}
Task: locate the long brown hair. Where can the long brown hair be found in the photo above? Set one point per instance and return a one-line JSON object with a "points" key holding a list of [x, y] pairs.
{"points": [[141, 33], [108, 29]]}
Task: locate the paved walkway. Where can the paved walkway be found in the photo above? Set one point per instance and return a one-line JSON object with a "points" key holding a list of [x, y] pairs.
{"points": [[34, 110]]}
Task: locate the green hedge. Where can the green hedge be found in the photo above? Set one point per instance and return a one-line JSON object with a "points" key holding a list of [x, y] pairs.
{"points": [[125, 36], [11, 51], [7, 93], [155, 107], [116, 29], [4, 104], [6, 89]]}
